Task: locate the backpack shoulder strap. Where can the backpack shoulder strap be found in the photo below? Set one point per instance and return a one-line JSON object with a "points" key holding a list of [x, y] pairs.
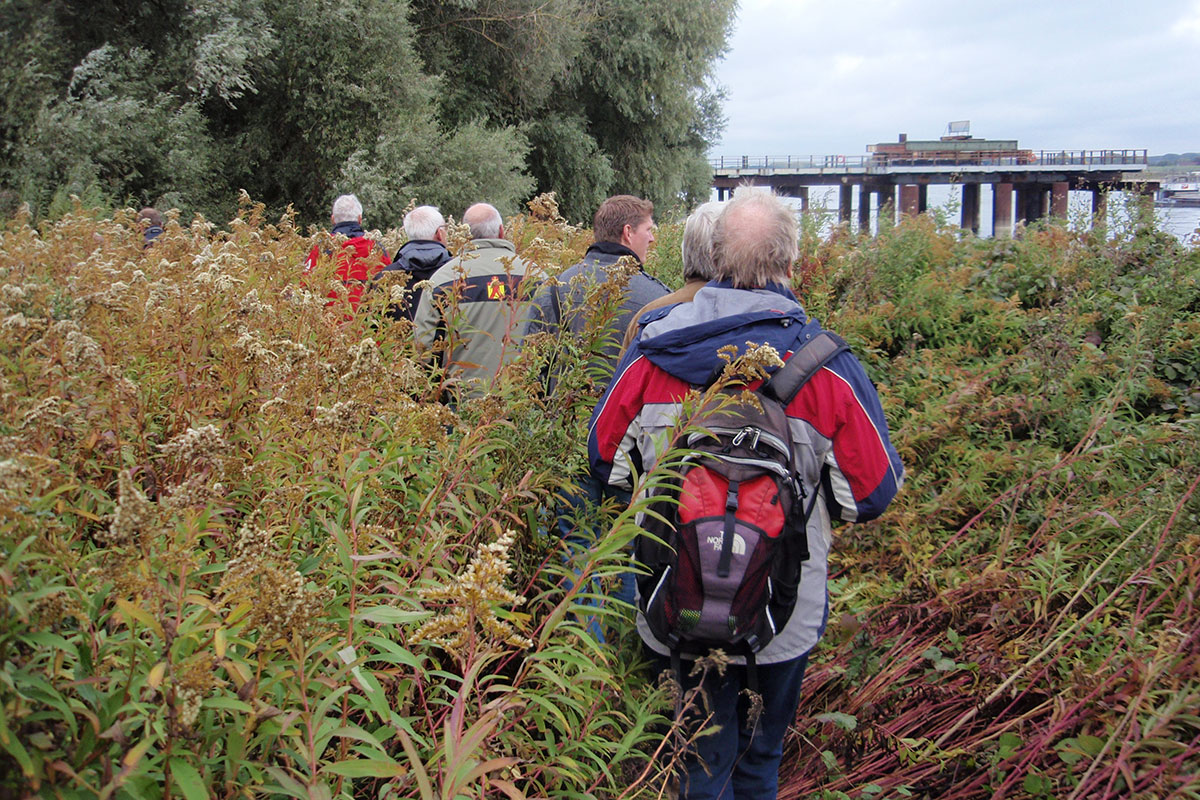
{"points": [[815, 352]]}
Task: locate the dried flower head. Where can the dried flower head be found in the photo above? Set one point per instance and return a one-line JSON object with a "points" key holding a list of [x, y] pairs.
{"points": [[135, 515], [277, 600], [15, 322], [46, 411], [365, 361], [341, 417], [197, 444], [82, 352], [471, 602], [545, 207]]}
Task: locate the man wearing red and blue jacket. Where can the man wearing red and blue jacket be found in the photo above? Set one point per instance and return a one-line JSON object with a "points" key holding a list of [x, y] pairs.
{"points": [[359, 259], [839, 439]]}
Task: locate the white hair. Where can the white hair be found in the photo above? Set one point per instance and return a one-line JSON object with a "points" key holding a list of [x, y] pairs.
{"points": [[696, 246], [484, 220], [423, 222], [346, 209]]}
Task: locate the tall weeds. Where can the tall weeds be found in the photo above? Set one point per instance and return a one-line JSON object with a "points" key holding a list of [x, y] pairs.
{"points": [[244, 550]]}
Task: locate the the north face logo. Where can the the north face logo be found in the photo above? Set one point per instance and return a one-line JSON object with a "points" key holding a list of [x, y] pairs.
{"points": [[739, 544]]}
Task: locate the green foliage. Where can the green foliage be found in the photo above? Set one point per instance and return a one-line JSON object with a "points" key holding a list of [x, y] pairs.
{"points": [[183, 103], [1041, 392], [614, 96], [243, 550]]}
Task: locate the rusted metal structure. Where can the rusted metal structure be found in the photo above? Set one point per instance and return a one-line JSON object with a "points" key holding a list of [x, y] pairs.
{"points": [[1027, 185]]}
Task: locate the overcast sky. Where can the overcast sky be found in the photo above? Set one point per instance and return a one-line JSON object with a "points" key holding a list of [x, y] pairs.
{"points": [[828, 77]]}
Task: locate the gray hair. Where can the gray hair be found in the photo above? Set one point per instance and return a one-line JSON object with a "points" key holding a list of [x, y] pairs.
{"points": [[347, 209], [755, 240], [484, 220], [423, 222], [696, 247]]}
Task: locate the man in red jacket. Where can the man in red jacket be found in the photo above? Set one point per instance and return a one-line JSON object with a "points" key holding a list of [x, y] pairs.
{"points": [[359, 259]]}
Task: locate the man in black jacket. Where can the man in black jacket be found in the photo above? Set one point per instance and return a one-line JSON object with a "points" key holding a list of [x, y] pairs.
{"points": [[418, 259]]}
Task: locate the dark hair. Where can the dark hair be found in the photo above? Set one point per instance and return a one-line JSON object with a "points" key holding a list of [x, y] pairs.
{"points": [[617, 212]]}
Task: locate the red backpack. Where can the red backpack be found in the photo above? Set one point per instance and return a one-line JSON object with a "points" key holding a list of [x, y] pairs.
{"points": [[725, 536]]}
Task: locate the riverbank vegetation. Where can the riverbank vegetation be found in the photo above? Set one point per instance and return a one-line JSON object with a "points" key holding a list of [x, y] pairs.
{"points": [[181, 103], [245, 552]]}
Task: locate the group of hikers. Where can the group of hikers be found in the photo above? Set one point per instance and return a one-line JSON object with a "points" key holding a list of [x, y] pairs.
{"points": [[741, 564]]}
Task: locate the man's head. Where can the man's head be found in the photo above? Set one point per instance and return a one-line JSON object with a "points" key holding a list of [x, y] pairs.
{"points": [[754, 240], [425, 222], [696, 246], [151, 215], [626, 220], [484, 221], [347, 209]]}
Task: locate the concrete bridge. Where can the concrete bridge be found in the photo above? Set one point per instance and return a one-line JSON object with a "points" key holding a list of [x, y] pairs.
{"points": [[1026, 185]]}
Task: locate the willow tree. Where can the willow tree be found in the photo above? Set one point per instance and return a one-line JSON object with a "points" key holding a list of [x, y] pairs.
{"points": [[186, 101], [614, 95]]}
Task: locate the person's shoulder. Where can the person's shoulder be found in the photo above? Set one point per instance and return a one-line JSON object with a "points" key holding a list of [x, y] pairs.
{"points": [[651, 283], [448, 272]]}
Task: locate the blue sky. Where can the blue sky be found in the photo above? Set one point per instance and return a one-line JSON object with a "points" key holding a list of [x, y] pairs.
{"points": [[828, 77]]}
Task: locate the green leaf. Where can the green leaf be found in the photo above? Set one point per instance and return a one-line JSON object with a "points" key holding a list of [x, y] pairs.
{"points": [[390, 615], [188, 780], [367, 768], [846, 722], [17, 751]]}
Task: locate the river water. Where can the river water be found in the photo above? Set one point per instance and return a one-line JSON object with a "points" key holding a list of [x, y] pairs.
{"points": [[1179, 221]]}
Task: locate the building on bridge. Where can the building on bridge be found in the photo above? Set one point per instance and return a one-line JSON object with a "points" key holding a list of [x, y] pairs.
{"points": [[1026, 185]]}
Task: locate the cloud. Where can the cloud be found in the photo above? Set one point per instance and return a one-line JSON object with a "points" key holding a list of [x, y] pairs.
{"points": [[1188, 25], [825, 77]]}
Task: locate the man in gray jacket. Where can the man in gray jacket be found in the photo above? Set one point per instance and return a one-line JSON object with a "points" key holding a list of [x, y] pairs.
{"points": [[624, 228], [470, 314]]}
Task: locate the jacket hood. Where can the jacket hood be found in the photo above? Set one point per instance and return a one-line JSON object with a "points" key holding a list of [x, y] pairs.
{"points": [[421, 256], [684, 339], [350, 229]]}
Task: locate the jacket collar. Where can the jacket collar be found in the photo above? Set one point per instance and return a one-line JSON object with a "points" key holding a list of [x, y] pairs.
{"points": [[494, 244], [613, 249], [350, 229]]}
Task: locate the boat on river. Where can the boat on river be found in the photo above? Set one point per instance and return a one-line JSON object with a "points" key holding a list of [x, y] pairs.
{"points": [[1183, 191]]}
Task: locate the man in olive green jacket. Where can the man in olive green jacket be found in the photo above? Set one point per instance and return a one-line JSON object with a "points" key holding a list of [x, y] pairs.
{"points": [[470, 314]]}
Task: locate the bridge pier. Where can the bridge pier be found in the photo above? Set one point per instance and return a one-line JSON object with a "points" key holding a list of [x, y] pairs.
{"points": [[1058, 200], [922, 198], [845, 198], [970, 208], [864, 208], [1100, 211], [1002, 208], [910, 200], [1030, 203]]}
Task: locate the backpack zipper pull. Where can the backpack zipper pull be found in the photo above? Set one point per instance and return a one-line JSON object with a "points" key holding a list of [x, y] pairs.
{"points": [[743, 433]]}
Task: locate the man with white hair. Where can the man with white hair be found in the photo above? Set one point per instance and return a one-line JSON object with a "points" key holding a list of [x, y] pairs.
{"points": [[839, 454], [418, 258], [359, 258], [474, 306], [696, 250]]}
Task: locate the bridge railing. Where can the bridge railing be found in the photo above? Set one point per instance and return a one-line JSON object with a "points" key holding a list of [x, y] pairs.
{"points": [[1073, 158], [788, 162], [1065, 158]]}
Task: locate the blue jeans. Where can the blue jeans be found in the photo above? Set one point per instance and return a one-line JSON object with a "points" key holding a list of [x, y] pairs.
{"points": [[575, 523], [744, 762]]}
